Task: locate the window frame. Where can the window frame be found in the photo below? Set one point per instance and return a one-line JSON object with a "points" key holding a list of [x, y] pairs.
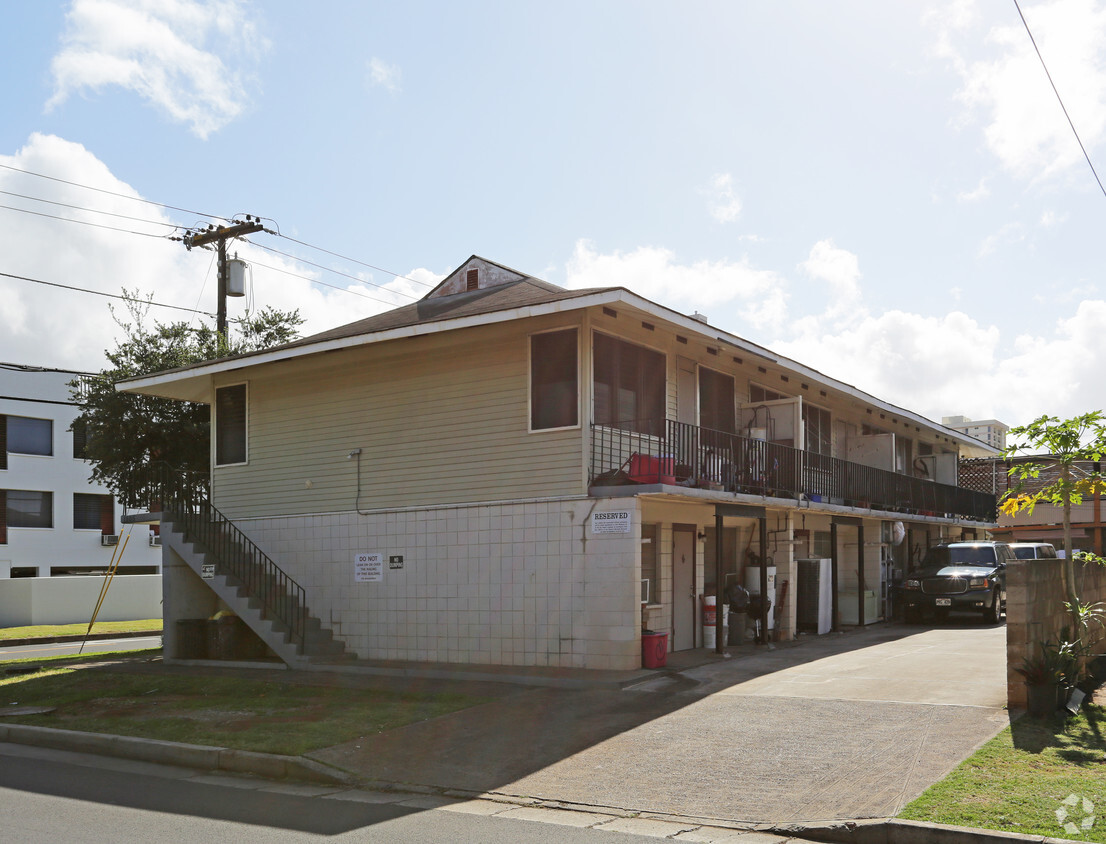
{"points": [[215, 423], [531, 404]]}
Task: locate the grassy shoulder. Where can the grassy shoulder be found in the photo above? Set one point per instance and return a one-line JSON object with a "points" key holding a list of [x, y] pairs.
{"points": [[39, 631], [245, 713], [1020, 780]]}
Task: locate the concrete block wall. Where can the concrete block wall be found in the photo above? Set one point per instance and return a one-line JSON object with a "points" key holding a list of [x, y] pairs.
{"points": [[71, 600], [1035, 612], [505, 584]]}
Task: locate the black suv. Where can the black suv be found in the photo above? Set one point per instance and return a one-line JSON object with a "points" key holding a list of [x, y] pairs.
{"points": [[967, 576]]}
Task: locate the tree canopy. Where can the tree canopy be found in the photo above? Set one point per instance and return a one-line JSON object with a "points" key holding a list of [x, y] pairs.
{"points": [[124, 433]]}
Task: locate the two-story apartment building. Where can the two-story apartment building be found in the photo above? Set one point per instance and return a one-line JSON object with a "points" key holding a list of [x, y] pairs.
{"points": [[508, 472], [53, 521]]}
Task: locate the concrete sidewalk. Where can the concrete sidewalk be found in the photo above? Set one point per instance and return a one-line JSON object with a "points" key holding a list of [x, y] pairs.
{"points": [[844, 727]]}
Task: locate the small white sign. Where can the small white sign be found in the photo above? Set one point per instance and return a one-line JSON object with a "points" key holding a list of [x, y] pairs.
{"points": [[612, 521], [207, 571], [368, 567]]}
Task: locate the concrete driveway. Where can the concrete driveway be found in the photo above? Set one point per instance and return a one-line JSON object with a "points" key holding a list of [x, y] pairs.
{"points": [[839, 727]]}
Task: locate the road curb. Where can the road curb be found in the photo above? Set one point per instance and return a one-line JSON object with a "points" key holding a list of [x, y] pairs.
{"points": [[78, 637], [892, 831], [200, 757]]}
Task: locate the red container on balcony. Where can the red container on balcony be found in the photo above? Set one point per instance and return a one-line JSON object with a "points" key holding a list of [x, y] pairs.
{"points": [[651, 469]]}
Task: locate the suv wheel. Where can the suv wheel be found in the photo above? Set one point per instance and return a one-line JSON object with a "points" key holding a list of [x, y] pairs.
{"points": [[993, 614]]}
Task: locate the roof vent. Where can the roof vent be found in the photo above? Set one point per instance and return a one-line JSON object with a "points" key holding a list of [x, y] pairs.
{"points": [[472, 280], [700, 317]]}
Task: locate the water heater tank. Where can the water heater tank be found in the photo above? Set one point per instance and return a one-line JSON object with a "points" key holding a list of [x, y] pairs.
{"points": [[236, 277]]}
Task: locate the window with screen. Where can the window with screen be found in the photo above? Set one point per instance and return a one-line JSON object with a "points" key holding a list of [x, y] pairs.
{"points": [[230, 425], [630, 383], [716, 401], [554, 393]]}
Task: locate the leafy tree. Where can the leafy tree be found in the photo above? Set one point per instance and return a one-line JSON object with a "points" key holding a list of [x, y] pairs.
{"points": [[124, 433], [1068, 447]]}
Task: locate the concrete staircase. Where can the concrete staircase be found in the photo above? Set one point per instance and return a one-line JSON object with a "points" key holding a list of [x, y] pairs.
{"points": [[265, 604]]}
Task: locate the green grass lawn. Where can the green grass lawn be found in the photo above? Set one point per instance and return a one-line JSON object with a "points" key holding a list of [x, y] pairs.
{"points": [[224, 711], [1020, 779], [99, 628]]}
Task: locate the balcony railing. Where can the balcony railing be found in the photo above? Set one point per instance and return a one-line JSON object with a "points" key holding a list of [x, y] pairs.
{"points": [[687, 455]]}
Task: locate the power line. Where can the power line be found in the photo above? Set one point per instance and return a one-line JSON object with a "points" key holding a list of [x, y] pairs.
{"points": [[89, 210], [277, 233], [347, 258], [84, 222], [336, 272], [1033, 41], [323, 283], [110, 192], [99, 293]]}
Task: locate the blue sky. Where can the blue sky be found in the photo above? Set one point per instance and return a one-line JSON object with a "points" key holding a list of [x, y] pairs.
{"points": [[888, 192]]}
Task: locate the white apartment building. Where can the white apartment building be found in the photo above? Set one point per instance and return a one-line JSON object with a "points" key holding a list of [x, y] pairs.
{"points": [[989, 431], [53, 521]]}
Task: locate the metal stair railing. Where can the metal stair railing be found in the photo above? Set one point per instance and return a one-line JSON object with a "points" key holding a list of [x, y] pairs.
{"points": [[187, 502]]}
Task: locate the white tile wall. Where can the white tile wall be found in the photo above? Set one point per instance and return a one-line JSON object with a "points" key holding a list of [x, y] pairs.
{"points": [[509, 584]]}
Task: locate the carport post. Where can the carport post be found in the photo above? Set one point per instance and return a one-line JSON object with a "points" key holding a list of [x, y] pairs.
{"points": [[833, 574], [860, 575], [719, 591], [764, 580]]}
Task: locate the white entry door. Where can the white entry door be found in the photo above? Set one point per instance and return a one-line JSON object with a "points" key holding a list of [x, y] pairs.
{"points": [[683, 589]]}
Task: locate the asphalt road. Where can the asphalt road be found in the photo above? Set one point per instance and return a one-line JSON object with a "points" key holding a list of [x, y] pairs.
{"points": [[69, 648]]}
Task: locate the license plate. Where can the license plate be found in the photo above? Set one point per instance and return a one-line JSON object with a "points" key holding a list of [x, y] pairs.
{"points": [[944, 602]]}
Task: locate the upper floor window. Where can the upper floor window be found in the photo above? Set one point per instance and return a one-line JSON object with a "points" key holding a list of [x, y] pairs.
{"points": [[230, 425], [80, 439], [630, 385], [27, 435], [716, 401], [816, 424], [93, 512], [28, 508], [554, 390], [758, 393]]}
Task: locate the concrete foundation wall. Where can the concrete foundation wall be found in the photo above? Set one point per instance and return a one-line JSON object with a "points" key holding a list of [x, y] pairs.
{"points": [[1035, 612], [71, 600], [507, 584]]}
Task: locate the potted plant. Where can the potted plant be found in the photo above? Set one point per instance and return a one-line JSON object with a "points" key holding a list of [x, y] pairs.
{"points": [[1042, 675]]}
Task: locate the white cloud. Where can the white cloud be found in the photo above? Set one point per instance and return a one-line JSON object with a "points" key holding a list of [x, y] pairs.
{"points": [[981, 191], [1025, 127], [383, 75], [837, 267], [163, 50], [48, 326], [760, 295], [725, 206]]}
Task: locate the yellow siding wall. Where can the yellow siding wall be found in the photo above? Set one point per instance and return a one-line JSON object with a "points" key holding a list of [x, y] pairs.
{"points": [[439, 420]]}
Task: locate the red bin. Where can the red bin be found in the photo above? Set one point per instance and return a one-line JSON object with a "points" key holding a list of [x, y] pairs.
{"points": [[654, 650]]}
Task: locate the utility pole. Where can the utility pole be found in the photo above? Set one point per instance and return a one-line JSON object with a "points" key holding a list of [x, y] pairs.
{"points": [[220, 235]]}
